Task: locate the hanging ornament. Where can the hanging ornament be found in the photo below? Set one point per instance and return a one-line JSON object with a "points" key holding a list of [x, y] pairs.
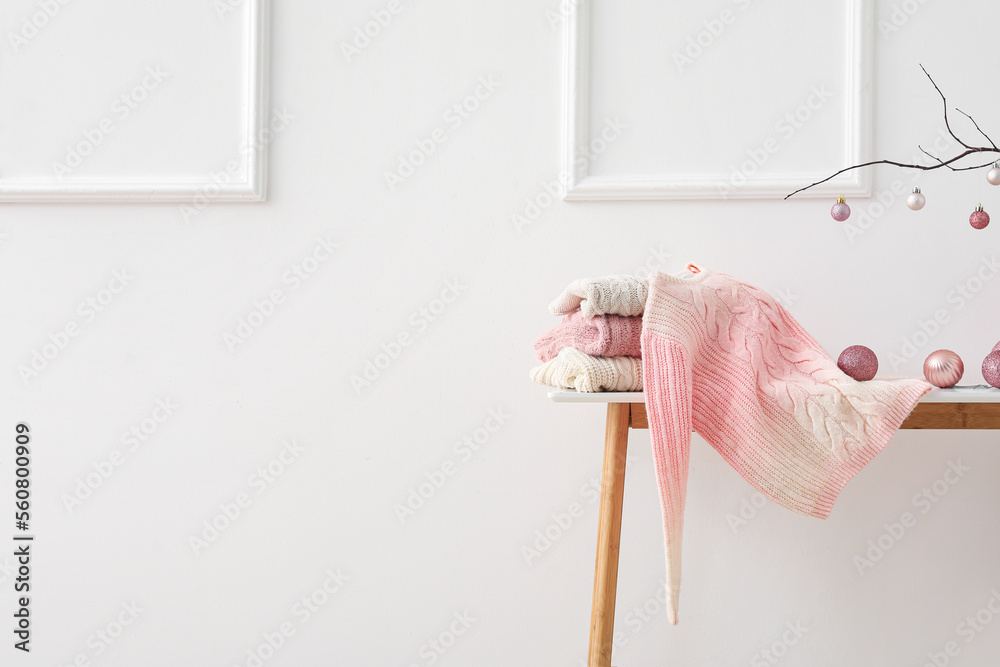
{"points": [[916, 200], [993, 175], [840, 211], [979, 218], [943, 368]]}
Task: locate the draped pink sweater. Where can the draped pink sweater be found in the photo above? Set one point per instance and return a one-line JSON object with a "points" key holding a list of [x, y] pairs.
{"points": [[724, 358]]}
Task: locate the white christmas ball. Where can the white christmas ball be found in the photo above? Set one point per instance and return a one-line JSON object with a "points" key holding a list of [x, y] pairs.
{"points": [[993, 176], [916, 201]]}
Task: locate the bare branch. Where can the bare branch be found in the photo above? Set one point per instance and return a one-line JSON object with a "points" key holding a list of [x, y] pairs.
{"points": [[935, 157], [922, 167], [973, 167], [977, 127], [970, 150], [945, 103]]}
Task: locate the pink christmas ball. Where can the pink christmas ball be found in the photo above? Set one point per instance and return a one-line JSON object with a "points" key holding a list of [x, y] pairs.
{"points": [[991, 369], [943, 368], [859, 362], [979, 218], [840, 211]]}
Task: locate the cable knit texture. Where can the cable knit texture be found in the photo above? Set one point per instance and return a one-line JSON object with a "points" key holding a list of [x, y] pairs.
{"points": [[572, 369], [612, 295], [602, 336], [724, 358]]}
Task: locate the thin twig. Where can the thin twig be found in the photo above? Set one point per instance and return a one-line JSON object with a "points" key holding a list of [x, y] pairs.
{"points": [[935, 157], [973, 167], [977, 127], [945, 103]]}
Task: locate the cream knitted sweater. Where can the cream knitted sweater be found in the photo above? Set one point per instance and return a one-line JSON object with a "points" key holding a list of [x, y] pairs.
{"points": [[611, 295], [572, 369], [724, 358]]}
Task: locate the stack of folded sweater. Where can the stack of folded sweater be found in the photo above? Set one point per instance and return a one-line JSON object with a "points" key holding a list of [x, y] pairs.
{"points": [[596, 346]]}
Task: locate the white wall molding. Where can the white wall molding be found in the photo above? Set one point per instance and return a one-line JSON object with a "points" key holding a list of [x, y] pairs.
{"points": [[170, 188], [579, 184]]}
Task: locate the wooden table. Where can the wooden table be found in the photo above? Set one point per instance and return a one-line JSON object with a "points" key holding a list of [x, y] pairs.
{"points": [[975, 407]]}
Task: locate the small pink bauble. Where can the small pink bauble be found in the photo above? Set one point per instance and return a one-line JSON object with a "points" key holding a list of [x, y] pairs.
{"points": [[979, 218], [840, 211], [859, 362], [943, 368], [991, 369], [916, 200]]}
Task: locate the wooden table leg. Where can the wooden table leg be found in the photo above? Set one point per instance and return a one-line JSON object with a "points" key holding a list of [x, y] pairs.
{"points": [[609, 528]]}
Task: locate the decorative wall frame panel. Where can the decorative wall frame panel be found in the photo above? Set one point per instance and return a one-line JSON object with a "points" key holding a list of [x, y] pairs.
{"points": [[581, 184], [213, 55]]}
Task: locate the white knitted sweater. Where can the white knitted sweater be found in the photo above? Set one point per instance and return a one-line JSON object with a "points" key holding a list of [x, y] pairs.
{"points": [[611, 295], [572, 369]]}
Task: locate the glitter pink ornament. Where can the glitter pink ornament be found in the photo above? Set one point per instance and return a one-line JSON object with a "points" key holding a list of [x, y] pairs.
{"points": [[979, 218], [840, 211], [859, 362], [943, 368], [991, 369]]}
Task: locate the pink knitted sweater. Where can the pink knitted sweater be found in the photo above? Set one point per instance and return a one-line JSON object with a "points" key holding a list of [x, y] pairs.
{"points": [[724, 358], [601, 336]]}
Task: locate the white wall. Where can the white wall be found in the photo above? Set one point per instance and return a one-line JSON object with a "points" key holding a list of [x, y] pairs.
{"points": [[332, 508]]}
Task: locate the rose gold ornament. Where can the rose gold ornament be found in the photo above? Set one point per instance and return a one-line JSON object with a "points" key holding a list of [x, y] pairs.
{"points": [[943, 368], [840, 211], [979, 218]]}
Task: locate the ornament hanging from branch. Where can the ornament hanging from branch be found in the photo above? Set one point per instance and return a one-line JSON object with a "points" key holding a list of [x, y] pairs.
{"points": [[993, 175], [840, 211], [979, 218], [916, 200]]}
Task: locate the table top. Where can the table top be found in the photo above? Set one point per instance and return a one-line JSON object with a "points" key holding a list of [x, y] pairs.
{"points": [[979, 393]]}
